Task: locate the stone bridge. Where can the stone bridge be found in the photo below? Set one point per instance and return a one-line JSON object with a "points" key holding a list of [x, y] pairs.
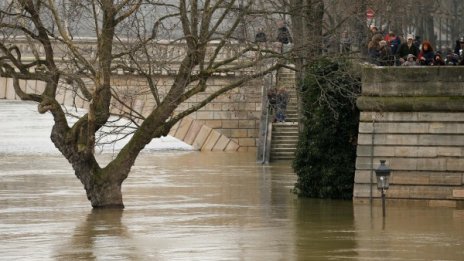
{"points": [[229, 123]]}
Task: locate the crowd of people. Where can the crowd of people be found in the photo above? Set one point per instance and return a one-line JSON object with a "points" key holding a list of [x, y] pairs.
{"points": [[392, 50]]}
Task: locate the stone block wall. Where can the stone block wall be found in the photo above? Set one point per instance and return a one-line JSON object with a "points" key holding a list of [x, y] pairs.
{"points": [[234, 114], [230, 122], [414, 119]]}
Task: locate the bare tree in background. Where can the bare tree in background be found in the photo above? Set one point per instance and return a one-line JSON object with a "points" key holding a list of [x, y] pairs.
{"points": [[129, 36], [439, 22]]}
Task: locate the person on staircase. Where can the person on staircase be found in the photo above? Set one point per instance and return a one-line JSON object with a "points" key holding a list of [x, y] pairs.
{"points": [[272, 98], [281, 102]]}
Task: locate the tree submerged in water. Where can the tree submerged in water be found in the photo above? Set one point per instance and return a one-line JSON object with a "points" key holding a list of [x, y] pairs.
{"points": [[326, 153], [130, 36]]}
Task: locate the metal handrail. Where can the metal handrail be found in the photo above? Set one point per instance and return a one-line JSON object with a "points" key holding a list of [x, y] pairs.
{"points": [[266, 143], [267, 135]]}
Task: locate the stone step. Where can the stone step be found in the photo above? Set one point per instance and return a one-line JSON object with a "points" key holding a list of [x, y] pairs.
{"points": [[282, 151], [282, 135], [291, 111], [285, 131], [291, 115], [278, 142], [285, 135], [283, 156], [284, 146], [285, 126], [284, 142], [285, 139]]}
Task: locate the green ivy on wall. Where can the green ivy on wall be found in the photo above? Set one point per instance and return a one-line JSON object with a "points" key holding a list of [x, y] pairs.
{"points": [[326, 152]]}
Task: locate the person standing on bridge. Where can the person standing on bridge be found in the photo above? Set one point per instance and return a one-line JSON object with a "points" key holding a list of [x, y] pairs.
{"points": [[260, 36], [407, 48], [283, 35], [427, 54]]}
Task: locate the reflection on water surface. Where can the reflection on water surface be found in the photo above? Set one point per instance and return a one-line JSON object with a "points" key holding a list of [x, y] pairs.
{"points": [[207, 206]]}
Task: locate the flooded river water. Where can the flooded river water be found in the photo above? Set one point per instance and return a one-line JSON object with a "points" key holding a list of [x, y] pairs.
{"points": [[184, 205], [207, 206]]}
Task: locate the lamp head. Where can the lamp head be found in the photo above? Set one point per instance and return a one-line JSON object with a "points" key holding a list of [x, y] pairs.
{"points": [[382, 174]]}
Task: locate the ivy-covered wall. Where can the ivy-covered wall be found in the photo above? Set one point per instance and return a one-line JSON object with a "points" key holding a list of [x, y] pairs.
{"points": [[326, 153]]}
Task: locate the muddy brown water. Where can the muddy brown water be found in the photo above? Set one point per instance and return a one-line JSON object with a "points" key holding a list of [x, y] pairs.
{"points": [[207, 206]]}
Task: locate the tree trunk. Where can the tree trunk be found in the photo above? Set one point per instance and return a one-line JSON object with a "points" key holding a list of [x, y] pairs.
{"points": [[103, 188], [105, 195], [307, 27]]}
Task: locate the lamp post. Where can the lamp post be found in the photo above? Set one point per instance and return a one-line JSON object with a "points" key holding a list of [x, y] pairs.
{"points": [[382, 174]]}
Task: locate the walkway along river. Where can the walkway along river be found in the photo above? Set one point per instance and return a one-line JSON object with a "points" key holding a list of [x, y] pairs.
{"points": [[183, 205]]}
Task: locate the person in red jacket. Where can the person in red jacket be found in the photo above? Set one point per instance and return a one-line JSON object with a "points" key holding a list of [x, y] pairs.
{"points": [[427, 54]]}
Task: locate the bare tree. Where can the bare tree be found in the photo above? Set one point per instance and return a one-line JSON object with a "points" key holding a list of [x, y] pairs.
{"points": [[131, 35], [439, 22]]}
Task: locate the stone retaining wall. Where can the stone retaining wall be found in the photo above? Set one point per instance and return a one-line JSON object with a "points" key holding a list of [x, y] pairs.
{"points": [[414, 119], [230, 122]]}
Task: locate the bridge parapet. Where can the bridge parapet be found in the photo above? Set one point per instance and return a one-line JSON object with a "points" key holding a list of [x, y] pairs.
{"points": [[165, 56], [413, 118]]}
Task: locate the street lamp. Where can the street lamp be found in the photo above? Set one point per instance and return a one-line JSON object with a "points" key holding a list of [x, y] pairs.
{"points": [[382, 174]]}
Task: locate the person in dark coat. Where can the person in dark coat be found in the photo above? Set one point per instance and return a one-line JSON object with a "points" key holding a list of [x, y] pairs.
{"points": [[459, 46], [282, 101], [408, 48], [260, 36], [345, 42], [459, 50], [450, 57], [373, 49], [385, 54], [438, 59], [394, 41], [272, 98], [283, 34]]}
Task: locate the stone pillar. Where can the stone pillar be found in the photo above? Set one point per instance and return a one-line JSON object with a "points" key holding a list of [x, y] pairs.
{"points": [[414, 119]]}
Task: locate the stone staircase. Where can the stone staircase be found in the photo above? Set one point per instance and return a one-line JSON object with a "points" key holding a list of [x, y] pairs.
{"points": [[285, 134]]}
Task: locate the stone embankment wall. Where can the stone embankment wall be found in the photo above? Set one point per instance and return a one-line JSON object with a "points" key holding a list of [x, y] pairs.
{"points": [[414, 119], [229, 123]]}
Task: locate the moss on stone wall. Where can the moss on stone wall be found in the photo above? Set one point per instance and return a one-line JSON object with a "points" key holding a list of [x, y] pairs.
{"points": [[412, 74], [417, 104]]}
